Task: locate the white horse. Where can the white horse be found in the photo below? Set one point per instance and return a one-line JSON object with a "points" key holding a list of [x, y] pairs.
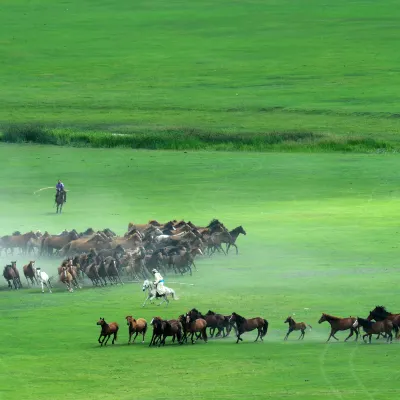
{"points": [[153, 294], [43, 278]]}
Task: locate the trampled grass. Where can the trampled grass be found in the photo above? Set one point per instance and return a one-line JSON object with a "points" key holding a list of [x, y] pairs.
{"points": [[321, 237], [250, 67]]}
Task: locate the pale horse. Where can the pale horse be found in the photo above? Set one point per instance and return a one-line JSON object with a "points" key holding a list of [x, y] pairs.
{"points": [[43, 278], [152, 293]]}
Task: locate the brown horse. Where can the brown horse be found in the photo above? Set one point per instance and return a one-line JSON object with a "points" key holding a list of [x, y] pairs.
{"points": [[339, 324], [66, 278], [296, 326], [234, 235], [14, 267], [136, 326], [214, 321], [162, 329], [379, 313], [246, 325], [375, 328], [29, 272], [107, 330], [73, 271], [196, 324], [9, 276]]}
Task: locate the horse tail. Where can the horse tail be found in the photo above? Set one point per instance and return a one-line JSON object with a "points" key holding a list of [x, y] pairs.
{"points": [[174, 296], [265, 328], [310, 327]]}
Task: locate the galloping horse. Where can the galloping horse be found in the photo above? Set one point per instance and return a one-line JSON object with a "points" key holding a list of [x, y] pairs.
{"points": [[136, 326], [375, 328], [296, 326], [66, 278], [340, 324], [379, 313], [43, 279], [59, 201], [107, 330], [10, 276], [246, 325], [153, 294], [30, 272]]}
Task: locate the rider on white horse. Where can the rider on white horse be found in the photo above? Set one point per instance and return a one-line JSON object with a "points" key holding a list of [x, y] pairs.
{"points": [[159, 282]]}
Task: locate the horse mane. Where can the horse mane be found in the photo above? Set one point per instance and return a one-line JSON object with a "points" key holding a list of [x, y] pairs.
{"points": [[212, 223], [239, 318], [381, 310], [209, 312], [331, 317]]}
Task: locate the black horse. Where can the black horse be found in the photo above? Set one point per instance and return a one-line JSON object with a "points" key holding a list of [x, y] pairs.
{"points": [[60, 200]]}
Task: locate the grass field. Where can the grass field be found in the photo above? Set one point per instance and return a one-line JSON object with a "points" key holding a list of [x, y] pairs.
{"points": [[322, 236], [228, 67]]}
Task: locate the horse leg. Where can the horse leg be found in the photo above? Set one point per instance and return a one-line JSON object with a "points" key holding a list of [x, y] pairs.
{"points": [[351, 334], [137, 333], [152, 339], [148, 297], [114, 338], [302, 334], [27, 282], [238, 338], [108, 337], [288, 333], [42, 286], [99, 339], [130, 336], [258, 334]]}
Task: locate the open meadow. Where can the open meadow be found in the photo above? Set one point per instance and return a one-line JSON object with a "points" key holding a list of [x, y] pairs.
{"points": [[322, 236], [228, 74]]}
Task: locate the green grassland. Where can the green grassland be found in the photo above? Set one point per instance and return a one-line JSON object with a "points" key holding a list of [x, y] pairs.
{"points": [[322, 236], [174, 70]]}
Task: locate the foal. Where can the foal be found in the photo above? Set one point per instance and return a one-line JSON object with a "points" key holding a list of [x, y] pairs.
{"points": [[107, 330], [296, 326]]}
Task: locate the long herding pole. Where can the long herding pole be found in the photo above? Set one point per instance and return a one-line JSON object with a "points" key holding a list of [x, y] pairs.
{"points": [[45, 188]]}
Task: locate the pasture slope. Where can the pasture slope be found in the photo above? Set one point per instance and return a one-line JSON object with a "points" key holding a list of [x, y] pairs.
{"points": [[322, 236], [314, 74]]}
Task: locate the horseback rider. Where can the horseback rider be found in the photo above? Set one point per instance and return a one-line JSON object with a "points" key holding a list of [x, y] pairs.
{"points": [[159, 282], [60, 189]]}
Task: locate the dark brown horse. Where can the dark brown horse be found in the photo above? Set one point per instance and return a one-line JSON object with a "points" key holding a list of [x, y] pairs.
{"points": [[9, 276], [214, 321], [162, 329], [339, 324], [375, 328], [136, 326], [234, 235], [60, 200], [379, 313], [246, 325], [107, 330], [296, 326], [29, 272]]}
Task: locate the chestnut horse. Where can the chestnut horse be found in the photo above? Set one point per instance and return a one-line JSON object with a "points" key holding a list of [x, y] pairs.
{"points": [[194, 324], [29, 272], [340, 324], [246, 325], [296, 326], [375, 328], [66, 278], [107, 330], [136, 326]]}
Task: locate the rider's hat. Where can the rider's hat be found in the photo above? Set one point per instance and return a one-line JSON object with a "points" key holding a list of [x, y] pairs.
{"points": [[154, 271]]}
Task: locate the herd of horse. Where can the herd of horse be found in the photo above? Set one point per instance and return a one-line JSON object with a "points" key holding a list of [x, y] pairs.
{"points": [[193, 325], [105, 258]]}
